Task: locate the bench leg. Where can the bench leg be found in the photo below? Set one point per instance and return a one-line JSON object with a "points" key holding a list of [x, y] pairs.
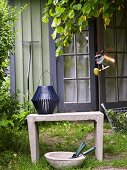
{"points": [[33, 139], [99, 139]]}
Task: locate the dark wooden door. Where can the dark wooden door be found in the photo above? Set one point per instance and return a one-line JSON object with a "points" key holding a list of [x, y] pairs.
{"points": [[76, 81]]}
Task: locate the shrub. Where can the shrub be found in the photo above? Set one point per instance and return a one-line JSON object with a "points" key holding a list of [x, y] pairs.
{"points": [[7, 35], [12, 119], [12, 112], [8, 16], [118, 120]]}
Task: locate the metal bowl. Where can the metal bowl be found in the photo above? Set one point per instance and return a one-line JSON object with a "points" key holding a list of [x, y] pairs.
{"points": [[61, 160]]}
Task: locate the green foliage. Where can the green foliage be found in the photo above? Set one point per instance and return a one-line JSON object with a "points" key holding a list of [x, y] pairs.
{"points": [[17, 154], [8, 157], [12, 120], [119, 120], [7, 18], [9, 140], [12, 112], [70, 17]]}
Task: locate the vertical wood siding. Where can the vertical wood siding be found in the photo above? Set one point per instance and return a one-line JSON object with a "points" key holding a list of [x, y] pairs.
{"points": [[30, 28]]}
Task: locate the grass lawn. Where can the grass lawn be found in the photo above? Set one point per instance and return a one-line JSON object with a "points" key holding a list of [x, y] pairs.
{"points": [[62, 136]]}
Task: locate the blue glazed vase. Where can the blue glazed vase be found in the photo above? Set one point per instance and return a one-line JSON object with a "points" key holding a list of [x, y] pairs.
{"points": [[45, 100]]}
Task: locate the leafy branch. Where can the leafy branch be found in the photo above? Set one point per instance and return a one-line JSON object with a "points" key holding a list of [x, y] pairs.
{"points": [[8, 16], [72, 17]]}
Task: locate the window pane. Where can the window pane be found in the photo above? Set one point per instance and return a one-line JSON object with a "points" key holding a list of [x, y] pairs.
{"points": [[111, 95], [83, 66], [121, 40], [109, 40], [84, 95], [69, 49], [70, 91], [120, 18], [82, 42], [122, 89], [69, 66], [122, 64]]}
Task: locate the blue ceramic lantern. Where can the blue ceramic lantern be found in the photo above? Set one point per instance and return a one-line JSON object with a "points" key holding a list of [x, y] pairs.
{"points": [[45, 100]]}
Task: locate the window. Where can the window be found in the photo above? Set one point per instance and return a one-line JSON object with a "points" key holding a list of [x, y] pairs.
{"points": [[77, 70], [115, 45]]}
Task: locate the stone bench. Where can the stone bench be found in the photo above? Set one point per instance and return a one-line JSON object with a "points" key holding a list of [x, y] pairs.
{"points": [[95, 116]]}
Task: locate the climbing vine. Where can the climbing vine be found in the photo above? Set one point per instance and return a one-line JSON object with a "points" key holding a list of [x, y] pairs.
{"points": [[70, 17]]}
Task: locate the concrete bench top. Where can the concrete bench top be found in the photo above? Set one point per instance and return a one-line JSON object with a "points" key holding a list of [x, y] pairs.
{"points": [[71, 116]]}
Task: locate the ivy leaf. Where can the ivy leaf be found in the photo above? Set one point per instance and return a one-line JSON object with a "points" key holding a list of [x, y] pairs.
{"points": [[59, 11], [49, 2], [59, 42], [51, 12], [77, 7], [54, 35], [86, 8], [68, 24], [106, 6], [71, 14], [55, 2], [59, 30], [64, 16], [65, 32], [59, 51], [84, 18], [106, 22], [64, 1], [56, 22], [45, 19], [80, 20]]}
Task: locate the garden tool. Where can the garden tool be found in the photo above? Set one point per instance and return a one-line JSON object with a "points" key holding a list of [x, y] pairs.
{"points": [[79, 150], [88, 151], [109, 120]]}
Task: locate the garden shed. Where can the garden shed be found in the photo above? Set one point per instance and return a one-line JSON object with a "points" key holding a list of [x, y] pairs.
{"points": [[34, 62]]}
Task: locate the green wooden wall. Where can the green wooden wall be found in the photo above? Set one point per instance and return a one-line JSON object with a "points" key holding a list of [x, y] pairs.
{"points": [[29, 27]]}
